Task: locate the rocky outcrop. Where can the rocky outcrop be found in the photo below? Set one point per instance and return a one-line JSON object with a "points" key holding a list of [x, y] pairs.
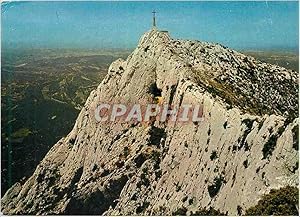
{"points": [[245, 146]]}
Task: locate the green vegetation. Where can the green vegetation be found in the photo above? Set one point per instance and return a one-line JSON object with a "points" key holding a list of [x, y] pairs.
{"points": [[214, 189], [144, 180], [23, 132], [155, 155], [142, 207], [201, 212], [42, 92], [208, 212], [156, 134], [279, 202], [180, 211], [213, 155]]}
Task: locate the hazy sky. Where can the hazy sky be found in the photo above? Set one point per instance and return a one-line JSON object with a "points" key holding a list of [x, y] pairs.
{"points": [[120, 24]]}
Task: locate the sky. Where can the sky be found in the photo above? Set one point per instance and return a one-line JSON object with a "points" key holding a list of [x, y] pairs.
{"points": [[241, 25]]}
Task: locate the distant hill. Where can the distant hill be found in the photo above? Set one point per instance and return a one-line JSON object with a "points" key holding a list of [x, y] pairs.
{"points": [[286, 59], [42, 92]]}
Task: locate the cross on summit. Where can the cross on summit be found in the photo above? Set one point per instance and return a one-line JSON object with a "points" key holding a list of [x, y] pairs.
{"points": [[154, 21], [154, 24]]}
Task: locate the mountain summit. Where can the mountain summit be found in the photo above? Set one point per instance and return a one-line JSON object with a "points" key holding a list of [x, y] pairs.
{"points": [[246, 145]]}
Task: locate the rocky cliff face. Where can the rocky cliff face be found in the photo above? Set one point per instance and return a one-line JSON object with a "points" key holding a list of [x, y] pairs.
{"points": [[246, 145]]}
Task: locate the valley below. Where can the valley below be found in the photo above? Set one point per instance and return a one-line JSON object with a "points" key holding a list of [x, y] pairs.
{"points": [[42, 94]]}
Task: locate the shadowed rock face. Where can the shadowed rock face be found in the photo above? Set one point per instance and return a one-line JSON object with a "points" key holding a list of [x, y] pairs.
{"points": [[244, 147]]}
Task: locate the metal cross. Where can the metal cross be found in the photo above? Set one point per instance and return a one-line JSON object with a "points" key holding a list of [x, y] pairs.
{"points": [[154, 22]]}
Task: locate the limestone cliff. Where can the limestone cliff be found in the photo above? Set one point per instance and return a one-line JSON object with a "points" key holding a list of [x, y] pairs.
{"points": [[246, 145]]}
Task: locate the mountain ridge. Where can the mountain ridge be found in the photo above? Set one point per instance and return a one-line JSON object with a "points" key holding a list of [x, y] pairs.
{"points": [[227, 161]]}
